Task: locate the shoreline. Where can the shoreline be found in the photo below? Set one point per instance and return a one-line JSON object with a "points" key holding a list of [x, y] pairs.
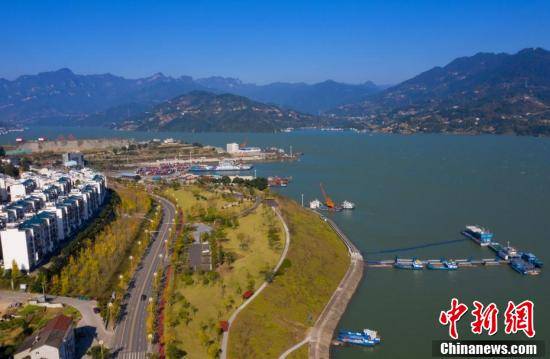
{"points": [[321, 334]]}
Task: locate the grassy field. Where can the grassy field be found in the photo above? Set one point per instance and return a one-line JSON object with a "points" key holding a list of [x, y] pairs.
{"points": [[201, 301], [280, 317], [28, 319]]}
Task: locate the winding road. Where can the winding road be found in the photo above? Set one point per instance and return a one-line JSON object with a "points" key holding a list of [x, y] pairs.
{"points": [[130, 339]]}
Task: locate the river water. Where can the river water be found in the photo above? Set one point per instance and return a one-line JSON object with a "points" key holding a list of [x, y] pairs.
{"points": [[411, 191]]}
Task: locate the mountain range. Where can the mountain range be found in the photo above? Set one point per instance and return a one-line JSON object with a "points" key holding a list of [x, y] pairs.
{"points": [[484, 93], [63, 97], [201, 111]]}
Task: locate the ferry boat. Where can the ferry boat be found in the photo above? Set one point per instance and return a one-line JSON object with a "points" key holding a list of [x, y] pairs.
{"points": [[367, 337], [443, 265], [348, 205], [480, 235], [531, 258], [415, 264], [524, 267]]}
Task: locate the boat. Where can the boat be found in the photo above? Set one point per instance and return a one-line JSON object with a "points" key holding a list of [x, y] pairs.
{"points": [[348, 205], [524, 267], [228, 165], [531, 258], [415, 264], [508, 252], [201, 168], [480, 235], [278, 181], [443, 265], [367, 337]]}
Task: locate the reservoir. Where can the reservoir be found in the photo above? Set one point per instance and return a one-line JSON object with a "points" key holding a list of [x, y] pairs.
{"points": [[410, 191]]}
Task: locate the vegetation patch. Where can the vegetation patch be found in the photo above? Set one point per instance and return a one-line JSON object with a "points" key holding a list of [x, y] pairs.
{"points": [[281, 315], [244, 252]]}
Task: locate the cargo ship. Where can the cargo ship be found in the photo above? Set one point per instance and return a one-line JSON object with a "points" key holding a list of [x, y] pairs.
{"points": [[524, 267], [367, 337], [443, 265], [415, 264], [480, 235], [531, 258]]}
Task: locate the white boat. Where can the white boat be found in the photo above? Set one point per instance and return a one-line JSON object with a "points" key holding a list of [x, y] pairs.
{"points": [[315, 204], [348, 205], [228, 165]]}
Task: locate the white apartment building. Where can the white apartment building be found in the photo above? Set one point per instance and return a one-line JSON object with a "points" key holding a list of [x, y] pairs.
{"points": [[54, 208]]}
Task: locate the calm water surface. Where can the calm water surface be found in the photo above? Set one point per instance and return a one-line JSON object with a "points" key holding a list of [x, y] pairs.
{"points": [[413, 190]]}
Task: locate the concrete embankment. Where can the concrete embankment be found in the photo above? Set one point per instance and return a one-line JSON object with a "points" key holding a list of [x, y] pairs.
{"points": [[321, 336]]}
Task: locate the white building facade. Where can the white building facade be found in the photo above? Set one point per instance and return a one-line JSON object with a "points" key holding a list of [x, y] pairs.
{"points": [[54, 208]]}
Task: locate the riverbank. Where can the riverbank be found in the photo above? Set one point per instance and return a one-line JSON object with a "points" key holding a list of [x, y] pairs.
{"points": [[287, 310]]}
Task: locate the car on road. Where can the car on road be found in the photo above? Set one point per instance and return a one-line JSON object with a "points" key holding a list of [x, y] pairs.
{"points": [[96, 310], [143, 297]]}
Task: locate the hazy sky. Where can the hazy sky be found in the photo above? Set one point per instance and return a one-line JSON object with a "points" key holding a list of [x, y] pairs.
{"points": [[263, 41]]}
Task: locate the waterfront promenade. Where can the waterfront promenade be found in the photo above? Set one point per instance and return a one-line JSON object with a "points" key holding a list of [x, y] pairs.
{"points": [[320, 336]]}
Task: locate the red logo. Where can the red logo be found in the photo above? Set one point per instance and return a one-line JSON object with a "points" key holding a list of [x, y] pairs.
{"points": [[484, 318], [517, 318], [520, 318], [452, 316]]}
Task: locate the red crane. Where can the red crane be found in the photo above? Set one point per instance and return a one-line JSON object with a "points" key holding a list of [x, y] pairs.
{"points": [[328, 201]]}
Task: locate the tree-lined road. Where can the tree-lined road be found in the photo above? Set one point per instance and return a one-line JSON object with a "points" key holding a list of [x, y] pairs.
{"points": [[130, 340]]}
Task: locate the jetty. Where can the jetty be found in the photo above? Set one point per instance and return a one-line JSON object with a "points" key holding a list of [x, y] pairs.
{"points": [[465, 262]]}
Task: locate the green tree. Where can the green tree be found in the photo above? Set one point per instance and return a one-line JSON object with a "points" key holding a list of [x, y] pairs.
{"points": [[15, 274]]}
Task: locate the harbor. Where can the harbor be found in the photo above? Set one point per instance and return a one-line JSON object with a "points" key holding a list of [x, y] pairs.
{"points": [[525, 263]]}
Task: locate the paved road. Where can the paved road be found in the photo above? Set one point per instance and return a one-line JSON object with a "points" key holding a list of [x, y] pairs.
{"points": [[130, 339], [225, 338]]}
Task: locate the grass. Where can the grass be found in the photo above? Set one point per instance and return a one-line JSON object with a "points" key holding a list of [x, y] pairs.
{"points": [[281, 316], [300, 353], [28, 320], [193, 320]]}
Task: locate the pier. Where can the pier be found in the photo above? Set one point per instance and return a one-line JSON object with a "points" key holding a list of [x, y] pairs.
{"points": [[462, 263]]}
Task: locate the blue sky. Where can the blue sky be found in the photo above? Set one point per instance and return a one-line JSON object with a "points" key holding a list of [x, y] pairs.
{"points": [[263, 41]]}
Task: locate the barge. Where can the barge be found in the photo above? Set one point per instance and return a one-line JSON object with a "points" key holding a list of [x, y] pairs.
{"points": [[478, 234]]}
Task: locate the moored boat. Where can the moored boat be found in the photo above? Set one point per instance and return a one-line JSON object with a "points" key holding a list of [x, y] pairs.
{"points": [[480, 235]]}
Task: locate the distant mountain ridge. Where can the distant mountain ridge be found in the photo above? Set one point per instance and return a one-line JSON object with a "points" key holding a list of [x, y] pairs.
{"points": [[63, 97], [201, 111], [484, 93], [314, 98]]}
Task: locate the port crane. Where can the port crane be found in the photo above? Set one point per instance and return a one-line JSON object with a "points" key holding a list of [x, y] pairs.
{"points": [[328, 201]]}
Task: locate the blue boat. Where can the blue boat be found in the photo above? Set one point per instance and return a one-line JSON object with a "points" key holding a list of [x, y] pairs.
{"points": [[367, 337], [480, 235], [531, 258], [524, 267]]}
